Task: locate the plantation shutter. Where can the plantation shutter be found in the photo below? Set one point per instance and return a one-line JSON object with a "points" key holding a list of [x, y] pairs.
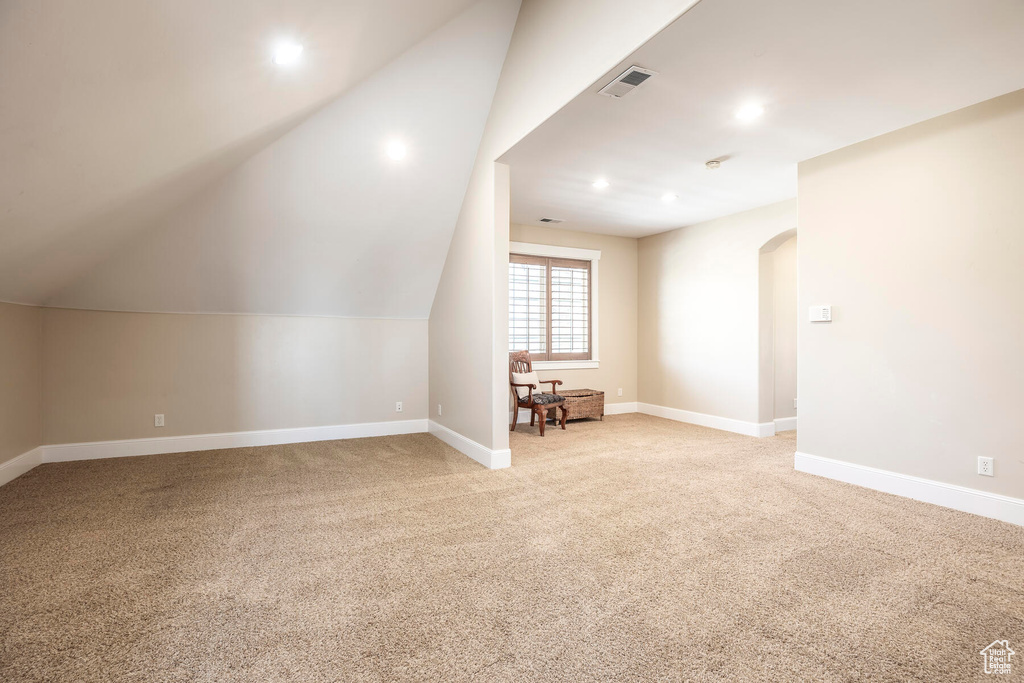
{"points": [[549, 307], [570, 309], [528, 305]]}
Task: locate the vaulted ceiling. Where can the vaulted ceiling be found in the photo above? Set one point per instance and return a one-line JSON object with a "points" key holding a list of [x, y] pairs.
{"points": [[828, 74], [154, 158]]}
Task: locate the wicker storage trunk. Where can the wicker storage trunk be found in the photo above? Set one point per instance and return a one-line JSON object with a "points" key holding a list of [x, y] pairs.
{"points": [[581, 403]]}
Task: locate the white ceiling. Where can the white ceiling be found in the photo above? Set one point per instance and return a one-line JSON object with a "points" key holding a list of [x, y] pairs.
{"points": [[829, 74], [114, 112]]}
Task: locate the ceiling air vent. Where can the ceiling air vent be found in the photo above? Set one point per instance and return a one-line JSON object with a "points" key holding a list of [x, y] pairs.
{"points": [[552, 220], [628, 81]]}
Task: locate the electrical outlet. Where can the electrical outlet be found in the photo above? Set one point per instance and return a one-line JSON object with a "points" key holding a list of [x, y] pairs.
{"points": [[620, 392], [794, 403], [439, 410], [398, 406], [158, 420], [987, 466]]}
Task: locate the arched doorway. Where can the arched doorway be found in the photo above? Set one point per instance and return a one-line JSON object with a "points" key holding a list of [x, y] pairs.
{"points": [[777, 295]]}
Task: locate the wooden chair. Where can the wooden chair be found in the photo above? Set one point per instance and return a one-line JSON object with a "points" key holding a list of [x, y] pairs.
{"points": [[539, 403]]}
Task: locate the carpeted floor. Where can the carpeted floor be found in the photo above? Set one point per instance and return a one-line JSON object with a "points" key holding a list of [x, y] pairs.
{"points": [[630, 549]]}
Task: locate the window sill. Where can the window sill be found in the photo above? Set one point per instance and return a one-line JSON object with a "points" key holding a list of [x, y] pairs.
{"points": [[566, 364]]}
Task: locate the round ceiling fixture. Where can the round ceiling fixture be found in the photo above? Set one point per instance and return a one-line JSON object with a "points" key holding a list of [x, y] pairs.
{"points": [[286, 54], [600, 183], [396, 150], [713, 164], [749, 112]]}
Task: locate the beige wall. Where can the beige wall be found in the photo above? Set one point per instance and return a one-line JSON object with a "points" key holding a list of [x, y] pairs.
{"points": [[784, 328], [21, 417], [617, 297], [916, 238], [699, 326], [106, 374], [468, 320]]}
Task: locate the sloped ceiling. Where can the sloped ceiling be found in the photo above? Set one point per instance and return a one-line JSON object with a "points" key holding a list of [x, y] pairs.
{"points": [[153, 158]]}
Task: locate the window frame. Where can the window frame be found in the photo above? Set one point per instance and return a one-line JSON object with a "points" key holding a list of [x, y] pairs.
{"points": [[592, 256]]}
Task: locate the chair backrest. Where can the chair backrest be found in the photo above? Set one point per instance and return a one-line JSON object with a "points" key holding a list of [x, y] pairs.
{"points": [[519, 361]]}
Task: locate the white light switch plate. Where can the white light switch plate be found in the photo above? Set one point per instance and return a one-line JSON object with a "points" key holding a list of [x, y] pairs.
{"points": [[821, 314]]}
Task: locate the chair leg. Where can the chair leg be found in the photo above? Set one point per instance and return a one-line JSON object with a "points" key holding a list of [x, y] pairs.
{"points": [[542, 413], [533, 415], [563, 415], [515, 417]]}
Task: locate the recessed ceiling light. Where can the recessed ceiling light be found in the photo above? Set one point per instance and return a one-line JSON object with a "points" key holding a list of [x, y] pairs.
{"points": [[396, 150], [669, 197], [600, 183], [287, 53], [749, 112]]}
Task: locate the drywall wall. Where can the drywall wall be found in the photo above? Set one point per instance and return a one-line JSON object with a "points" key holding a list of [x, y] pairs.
{"points": [[106, 374], [21, 421], [916, 240], [784, 273], [699, 325], [468, 320], [617, 296]]}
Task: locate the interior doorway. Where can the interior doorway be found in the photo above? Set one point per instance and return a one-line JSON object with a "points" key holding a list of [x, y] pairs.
{"points": [[778, 327]]}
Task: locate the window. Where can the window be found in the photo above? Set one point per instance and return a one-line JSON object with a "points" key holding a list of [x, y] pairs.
{"points": [[549, 307]]}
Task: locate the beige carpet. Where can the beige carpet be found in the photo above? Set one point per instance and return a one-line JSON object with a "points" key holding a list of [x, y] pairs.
{"points": [[630, 549]]}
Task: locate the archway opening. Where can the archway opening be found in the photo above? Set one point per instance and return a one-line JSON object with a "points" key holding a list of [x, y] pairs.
{"points": [[777, 306]]}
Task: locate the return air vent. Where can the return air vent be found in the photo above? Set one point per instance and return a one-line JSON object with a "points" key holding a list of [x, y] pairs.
{"points": [[628, 81], [552, 220]]}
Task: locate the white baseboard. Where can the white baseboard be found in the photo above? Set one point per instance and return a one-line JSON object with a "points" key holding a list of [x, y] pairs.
{"points": [[620, 408], [961, 498], [492, 459], [65, 452], [15, 467], [92, 450], [206, 442], [724, 423], [785, 424]]}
